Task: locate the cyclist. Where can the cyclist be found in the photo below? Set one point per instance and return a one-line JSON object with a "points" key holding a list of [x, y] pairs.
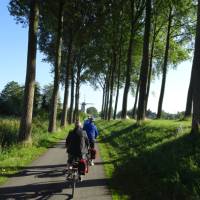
{"points": [[86, 121], [77, 144], [92, 133]]}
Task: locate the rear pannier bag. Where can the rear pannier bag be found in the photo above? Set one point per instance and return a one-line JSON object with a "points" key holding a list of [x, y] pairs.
{"points": [[83, 167]]}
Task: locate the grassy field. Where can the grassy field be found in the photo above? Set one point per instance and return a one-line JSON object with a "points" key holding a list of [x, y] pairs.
{"points": [[158, 160], [13, 156]]}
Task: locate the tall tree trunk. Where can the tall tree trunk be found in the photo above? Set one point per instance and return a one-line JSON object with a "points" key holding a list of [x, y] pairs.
{"points": [[118, 84], [107, 101], [136, 100], [76, 109], [145, 64], [26, 118], [66, 93], [103, 102], [72, 96], [107, 94], [112, 83], [195, 79], [165, 65], [53, 111], [118, 75], [150, 67], [129, 65], [105, 97], [188, 109]]}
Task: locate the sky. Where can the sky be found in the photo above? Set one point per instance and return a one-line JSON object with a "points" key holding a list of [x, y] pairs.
{"points": [[13, 55]]}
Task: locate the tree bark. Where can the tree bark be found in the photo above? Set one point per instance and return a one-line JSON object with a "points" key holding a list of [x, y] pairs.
{"points": [[136, 100], [72, 96], [165, 65], [112, 84], [150, 67], [66, 93], [195, 79], [105, 97], [76, 109], [107, 101], [118, 75], [145, 64], [53, 111], [107, 94], [103, 102], [118, 84], [188, 109], [129, 65], [26, 118]]}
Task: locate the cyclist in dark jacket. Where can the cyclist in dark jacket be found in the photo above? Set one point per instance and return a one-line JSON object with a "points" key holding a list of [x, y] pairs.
{"points": [[77, 143]]}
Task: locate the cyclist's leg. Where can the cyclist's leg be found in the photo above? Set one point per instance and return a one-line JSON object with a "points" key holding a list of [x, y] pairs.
{"points": [[70, 159], [92, 142]]}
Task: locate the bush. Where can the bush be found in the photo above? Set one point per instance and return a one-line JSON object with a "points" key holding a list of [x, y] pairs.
{"points": [[8, 131]]}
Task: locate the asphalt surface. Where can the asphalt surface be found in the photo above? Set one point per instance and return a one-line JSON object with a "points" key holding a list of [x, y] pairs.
{"points": [[44, 179]]}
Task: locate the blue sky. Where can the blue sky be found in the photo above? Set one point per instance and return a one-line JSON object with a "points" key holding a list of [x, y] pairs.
{"points": [[13, 52]]}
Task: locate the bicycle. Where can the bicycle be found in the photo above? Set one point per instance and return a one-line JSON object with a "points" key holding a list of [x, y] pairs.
{"points": [[72, 176]]}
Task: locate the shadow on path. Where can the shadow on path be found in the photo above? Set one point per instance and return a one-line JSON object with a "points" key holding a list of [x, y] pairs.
{"points": [[40, 171], [93, 183], [39, 191], [45, 190]]}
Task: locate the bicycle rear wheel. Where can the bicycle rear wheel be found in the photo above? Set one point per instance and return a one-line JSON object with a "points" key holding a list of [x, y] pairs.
{"points": [[74, 184]]}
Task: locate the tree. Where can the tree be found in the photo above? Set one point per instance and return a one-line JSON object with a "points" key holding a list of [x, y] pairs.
{"points": [[136, 100], [118, 85], [157, 25], [70, 116], [195, 79], [37, 99], [136, 12], [165, 63], [180, 17], [53, 111], [77, 88], [11, 99], [92, 111], [129, 64], [188, 109], [27, 109], [67, 81], [46, 95], [145, 65]]}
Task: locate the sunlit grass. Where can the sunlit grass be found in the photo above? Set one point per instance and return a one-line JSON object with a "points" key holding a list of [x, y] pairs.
{"points": [[157, 160], [14, 156]]}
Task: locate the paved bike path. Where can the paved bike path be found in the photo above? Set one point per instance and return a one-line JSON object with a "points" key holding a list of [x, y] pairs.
{"points": [[44, 179]]}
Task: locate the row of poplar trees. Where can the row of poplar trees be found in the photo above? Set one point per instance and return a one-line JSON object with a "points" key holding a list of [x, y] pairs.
{"points": [[113, 45]]}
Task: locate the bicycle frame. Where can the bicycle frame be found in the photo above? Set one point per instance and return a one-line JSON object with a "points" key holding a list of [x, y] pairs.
{"points": [[72, 174]]}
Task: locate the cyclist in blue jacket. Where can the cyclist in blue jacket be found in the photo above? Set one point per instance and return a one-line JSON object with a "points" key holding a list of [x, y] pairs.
{"points": [[91, 131]]}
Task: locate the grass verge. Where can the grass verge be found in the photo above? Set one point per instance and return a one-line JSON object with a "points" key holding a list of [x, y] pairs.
{"points": [[14, 157], [157, 160]]}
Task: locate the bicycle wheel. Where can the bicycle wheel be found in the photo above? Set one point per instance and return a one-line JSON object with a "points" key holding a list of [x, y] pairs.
{"points": [[74, 184], [68, 178]]}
